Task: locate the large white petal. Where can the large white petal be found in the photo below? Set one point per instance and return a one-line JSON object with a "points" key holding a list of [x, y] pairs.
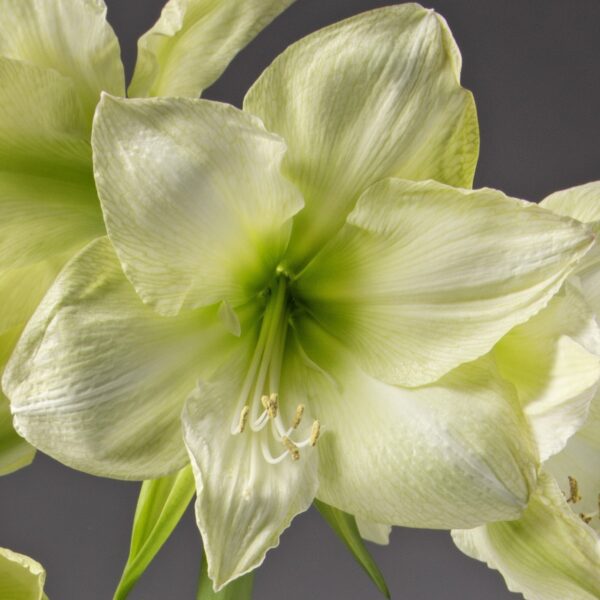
{"points": [[193, 199], [556, 377], [373, 96], [69, 36], [424, 277], [548, 554], [193, 42], [243, 503], [457, 451], [98, 379]]}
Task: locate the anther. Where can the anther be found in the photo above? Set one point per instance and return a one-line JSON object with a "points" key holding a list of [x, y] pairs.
{"points": [[574, 490], [314, 433], [291, 447], [298, 416], [585, 518], [243, 418], [272, 404]]}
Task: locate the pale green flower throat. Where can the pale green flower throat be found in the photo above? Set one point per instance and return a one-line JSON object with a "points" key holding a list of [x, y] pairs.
{"points": [[258, 404]]}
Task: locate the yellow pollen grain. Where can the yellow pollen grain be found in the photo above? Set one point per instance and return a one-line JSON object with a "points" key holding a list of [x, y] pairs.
{"points": [[298, 416], [291, 447], [264, 400], [243, 418], [574, 491], [314, 433]]}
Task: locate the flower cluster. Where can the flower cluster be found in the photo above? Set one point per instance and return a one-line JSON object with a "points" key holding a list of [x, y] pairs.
{"points": [[303, 299]]}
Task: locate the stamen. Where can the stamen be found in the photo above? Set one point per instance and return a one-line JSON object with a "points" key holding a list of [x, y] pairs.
{"points": [[298, 416], [574, 491], [243, 418], [268, 456], [291, 447], [314, 433], [272, 405]]}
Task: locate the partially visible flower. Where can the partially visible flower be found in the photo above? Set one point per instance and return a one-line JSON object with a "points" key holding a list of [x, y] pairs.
{"points": [[56, 57], [553, 551], [334, 311], [21, 578]]}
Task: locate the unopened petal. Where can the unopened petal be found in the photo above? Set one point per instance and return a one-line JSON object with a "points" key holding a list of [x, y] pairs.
{"points": [[193, 42]]}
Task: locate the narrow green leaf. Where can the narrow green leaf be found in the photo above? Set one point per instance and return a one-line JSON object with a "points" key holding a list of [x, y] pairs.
{"points": [[160, 506], [345, 527], [240, 589]]}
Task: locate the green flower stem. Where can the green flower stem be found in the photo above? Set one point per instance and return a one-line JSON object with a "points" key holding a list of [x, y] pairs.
{"points": [[240, 589]]}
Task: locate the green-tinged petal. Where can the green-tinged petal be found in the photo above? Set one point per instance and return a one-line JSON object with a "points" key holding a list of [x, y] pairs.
{"points": [[160, 506], [347, 530], [47, 197], [96, 370], [193, 199], [548, 554], [555, 376], [21, 578], [386, 452], [424, 277], [240, 589], [580, 460], [193, 42], [581, 202], [378, 533], [15, 452], [69, 36], [374, 96], [243, 503], [43, 130]]}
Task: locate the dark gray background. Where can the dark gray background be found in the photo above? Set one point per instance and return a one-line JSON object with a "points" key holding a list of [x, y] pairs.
{"points": [[533, 66]]}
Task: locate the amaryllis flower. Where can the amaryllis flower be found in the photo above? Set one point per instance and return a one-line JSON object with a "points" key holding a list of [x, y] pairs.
{"points": [[553, 551], [293, 287], [56, 57]]}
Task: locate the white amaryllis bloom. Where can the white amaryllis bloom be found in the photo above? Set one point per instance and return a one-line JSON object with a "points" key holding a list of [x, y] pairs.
{"points": [[553, 551], [56, 57], [21, 578], [317, 313]]}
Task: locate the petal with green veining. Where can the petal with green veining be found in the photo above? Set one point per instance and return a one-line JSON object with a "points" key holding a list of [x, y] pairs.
{"points": [[193, 42], [424, 277], [70, 36], [193, 198], [374, 96], [98, 379], [547, 554], [243, 503], [385, 452]]}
